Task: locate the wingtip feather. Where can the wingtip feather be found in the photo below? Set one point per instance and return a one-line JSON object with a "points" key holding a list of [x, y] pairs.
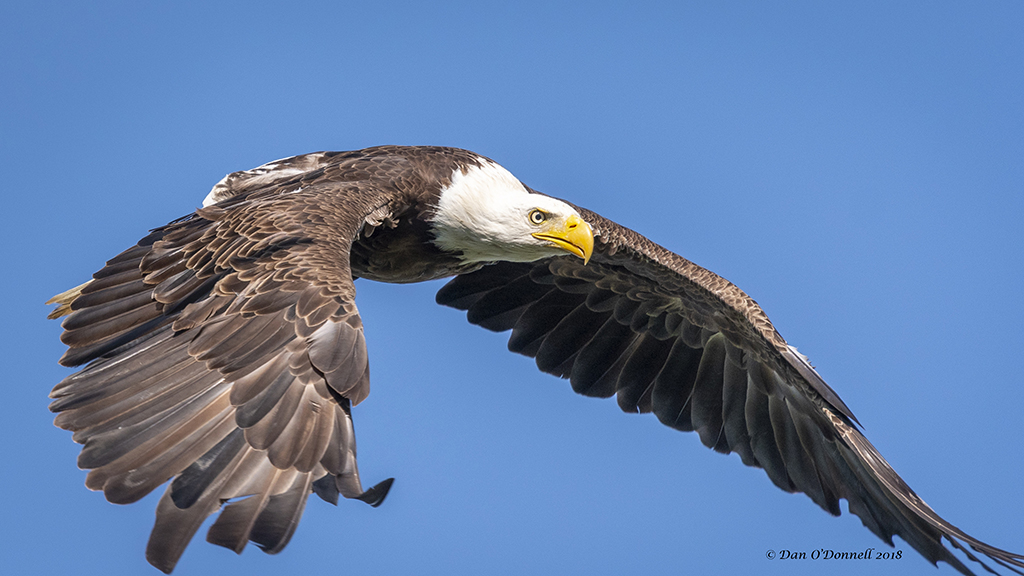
{"points": [[64, 300]]}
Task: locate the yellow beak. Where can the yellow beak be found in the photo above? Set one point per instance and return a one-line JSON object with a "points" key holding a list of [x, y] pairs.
{"points": [[572, 235]]}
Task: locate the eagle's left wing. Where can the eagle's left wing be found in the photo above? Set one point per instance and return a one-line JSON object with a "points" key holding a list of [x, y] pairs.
{"points": [[224, 352]]}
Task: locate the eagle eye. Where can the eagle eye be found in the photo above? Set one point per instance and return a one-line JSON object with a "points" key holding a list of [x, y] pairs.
{"points": [[537, 216]]}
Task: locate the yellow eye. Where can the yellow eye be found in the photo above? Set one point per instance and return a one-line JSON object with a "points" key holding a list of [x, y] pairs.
{"points": [[537, 217]]}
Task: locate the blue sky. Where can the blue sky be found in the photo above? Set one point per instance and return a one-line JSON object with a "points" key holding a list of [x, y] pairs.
{"points": [[855, 167]]}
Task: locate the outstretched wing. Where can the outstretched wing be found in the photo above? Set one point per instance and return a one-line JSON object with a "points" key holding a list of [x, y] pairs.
{"points": [[664, 335], [224, 351]]}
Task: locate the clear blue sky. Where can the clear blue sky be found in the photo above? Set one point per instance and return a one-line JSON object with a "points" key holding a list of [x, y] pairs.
{"points": [[858, 168]]}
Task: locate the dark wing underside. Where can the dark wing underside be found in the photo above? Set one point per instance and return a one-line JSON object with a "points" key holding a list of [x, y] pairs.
{"points": [[224, 351], [663, 335]]}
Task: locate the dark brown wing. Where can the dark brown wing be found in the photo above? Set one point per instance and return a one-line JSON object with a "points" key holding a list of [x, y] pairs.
{"points": [[665, 336], [224, 351]]}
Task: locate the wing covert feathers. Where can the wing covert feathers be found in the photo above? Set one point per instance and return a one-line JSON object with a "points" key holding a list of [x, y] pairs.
{"points": [[663, 335]]}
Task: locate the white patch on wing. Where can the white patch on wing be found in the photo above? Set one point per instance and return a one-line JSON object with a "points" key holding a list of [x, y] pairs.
{"points": [[220, 191], [483, 214], [261, 176], [800, 355]]}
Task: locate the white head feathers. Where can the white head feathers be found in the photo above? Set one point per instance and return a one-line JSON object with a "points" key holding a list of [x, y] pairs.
{"points": [[484, 214]]}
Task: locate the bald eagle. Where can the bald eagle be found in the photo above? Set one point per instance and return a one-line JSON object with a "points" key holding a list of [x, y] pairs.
{"points": [[224, 352]]}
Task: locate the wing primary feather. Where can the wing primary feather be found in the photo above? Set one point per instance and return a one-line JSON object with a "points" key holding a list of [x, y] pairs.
{"points": [[188, 486], [96, 380], [568, 337], [499, 309], [132, 262], [111, 294], [175, 526], [277, 522], [734, 419], [636, 380], [597, 358], [673, 386], [132, 485], [762, 434], [706, 397], [122, 450], [799, 468], [128, 404], [538, 319], [234, 523], [114, 344], [114, 308], [111, 327]]}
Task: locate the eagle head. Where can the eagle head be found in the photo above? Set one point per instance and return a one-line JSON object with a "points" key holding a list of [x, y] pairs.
{"points": [[486, 215]]}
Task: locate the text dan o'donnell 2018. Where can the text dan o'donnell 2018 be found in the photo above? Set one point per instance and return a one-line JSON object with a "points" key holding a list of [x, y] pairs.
{"points": [[829, 554]]}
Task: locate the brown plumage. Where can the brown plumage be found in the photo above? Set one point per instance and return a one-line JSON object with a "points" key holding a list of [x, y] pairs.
{"points": [[225, 353]]}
